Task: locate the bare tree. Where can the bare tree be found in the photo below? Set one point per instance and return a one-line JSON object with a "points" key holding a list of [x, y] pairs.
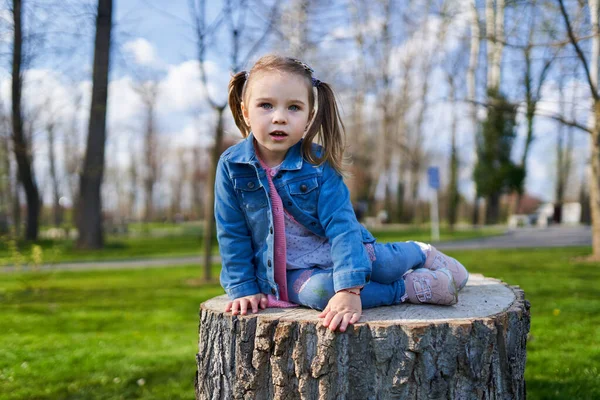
{"points": [[91, 235], [591, 74], [234, 19], [475, 41], [534, 84], [21, 146], [51, 130], [148, 92], [133, 185], [72, 153], [564, 155], [5, 173]]}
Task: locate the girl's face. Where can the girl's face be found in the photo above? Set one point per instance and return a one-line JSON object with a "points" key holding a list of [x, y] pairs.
{"points": [[277, 111]]}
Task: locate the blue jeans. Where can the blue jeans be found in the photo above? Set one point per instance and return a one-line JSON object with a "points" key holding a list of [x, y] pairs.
{"points": [[313, 287]]}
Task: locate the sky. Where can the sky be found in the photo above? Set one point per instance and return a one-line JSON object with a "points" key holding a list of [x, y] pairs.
{"points": [[151, 42]]}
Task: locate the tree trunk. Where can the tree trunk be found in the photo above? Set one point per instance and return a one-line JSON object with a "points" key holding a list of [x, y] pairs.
{"points": [[90, 206], [21, 147], [473, 350], [5, 185], [472, 90], [492, 209], [56, 207], [209, 217]]}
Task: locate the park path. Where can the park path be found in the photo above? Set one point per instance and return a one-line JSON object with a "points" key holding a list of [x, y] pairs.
{"points": [[512, 239]]}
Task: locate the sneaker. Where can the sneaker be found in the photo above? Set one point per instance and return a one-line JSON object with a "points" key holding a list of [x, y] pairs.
{"points": [[436, 260], [431, 287]]}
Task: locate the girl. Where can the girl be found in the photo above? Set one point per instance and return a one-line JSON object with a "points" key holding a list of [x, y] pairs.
{"points": [[286, 228]]}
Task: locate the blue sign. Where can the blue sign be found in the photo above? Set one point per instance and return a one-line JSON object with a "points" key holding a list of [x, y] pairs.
{"points": [[433, 177]]}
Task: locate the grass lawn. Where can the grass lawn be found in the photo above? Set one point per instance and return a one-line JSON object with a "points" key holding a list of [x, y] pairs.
{"points": [[184, 241], [133, 334]]}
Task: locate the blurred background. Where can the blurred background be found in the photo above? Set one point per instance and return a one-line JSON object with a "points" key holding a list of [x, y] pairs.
{"points": [[472, 120]]}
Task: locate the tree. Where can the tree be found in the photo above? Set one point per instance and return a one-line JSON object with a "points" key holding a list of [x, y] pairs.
{"points": [[89, 220], [148, 92], [21, 146], [234, 19], [591, 76], [564, 156], [495, 173], [534, 82], [472, 87]]}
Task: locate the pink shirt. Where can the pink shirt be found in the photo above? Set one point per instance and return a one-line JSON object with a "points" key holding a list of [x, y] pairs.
{"points": [[279, 262]]}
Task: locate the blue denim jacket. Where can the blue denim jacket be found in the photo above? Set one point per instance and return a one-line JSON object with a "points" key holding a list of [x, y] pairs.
{"points": [[316, 196]]}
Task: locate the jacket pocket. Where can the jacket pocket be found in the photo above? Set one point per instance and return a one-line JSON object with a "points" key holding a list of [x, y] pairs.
{"points": [[305, 194], [251, 191]]}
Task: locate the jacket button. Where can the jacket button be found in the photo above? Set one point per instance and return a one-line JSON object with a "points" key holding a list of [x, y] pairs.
{"points": [[278, 176], [289, 203], [250, 185], [368, 278], [303, 188], [271, 230], [273, 291], [269, 263], [313, 224]]}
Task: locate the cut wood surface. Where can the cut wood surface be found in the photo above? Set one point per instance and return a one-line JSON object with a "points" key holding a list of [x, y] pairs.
{"points": [[473, 350]]}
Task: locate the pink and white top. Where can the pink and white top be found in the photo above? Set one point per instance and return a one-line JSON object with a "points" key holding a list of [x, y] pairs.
{"points": [[279, 243]]}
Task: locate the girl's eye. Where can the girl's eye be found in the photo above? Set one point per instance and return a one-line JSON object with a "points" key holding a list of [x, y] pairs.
{"points": [[294, 108], [266, 106]]}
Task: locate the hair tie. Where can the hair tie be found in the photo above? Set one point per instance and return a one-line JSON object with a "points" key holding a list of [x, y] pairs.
{"points": [[247, 75], [316, 82]]}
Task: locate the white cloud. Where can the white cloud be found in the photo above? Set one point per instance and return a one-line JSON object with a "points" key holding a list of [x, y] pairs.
{"points": [[143, 53]]}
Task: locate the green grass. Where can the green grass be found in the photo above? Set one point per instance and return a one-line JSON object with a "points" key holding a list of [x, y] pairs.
{"points": [[185, 240], [97, 335], [116, 248], [94, 335]]}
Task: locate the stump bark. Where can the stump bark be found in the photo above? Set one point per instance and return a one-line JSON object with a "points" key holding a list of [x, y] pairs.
{"points": [[473, 350]]}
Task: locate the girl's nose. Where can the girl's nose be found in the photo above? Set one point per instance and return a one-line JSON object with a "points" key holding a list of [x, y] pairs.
{"points": [[279, 117]]}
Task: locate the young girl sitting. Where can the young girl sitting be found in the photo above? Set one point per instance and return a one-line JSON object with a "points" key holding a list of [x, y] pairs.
{"points": [[286, 228]]}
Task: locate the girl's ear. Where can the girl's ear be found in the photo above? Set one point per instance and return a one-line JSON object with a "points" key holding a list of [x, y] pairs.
{"points": [[245, 113]]}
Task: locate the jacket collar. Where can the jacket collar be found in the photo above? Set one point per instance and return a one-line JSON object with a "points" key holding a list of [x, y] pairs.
{"points": [[245, 154]]}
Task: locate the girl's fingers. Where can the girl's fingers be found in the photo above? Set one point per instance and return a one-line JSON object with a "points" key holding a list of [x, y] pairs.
{"points": [[355, 318], [345, 321], [228, 306], [235, 306], [244, 306], [324, 312], [329, 317], [254, 304], [335, 321], [263, 302]]}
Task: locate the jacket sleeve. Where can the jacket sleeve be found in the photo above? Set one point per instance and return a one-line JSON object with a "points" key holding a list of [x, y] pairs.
{"points": [[238, 276], [351, 263]]}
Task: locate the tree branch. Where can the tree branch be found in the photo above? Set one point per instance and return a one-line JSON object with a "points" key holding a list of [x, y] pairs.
{"points": [[578, 50]]}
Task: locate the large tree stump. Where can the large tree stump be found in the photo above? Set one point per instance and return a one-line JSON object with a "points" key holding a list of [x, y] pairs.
{"points": [[473, 350]]}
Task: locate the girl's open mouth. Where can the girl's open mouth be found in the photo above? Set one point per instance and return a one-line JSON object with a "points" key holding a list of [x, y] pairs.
{"points": [[278, 135]]}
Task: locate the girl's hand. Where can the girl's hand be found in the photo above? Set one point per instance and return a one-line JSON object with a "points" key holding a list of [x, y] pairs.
{"points": [[343, 308], [240, 306]]}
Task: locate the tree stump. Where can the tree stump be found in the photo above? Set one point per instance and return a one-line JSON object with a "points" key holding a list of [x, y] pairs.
{"points": [[473, 350]]}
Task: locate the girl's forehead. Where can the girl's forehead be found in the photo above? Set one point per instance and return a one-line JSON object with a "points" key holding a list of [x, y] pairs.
{"points": [[276, 83]]}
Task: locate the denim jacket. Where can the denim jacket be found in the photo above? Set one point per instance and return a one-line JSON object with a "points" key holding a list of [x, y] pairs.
{"points": [[316, 196]]}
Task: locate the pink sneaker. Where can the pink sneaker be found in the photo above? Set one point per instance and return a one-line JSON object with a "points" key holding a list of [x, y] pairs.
{"points": [[431, 287], [436, 260]]}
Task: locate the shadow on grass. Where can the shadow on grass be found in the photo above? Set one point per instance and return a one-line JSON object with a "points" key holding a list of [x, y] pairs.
{"points": [[580, 389]]}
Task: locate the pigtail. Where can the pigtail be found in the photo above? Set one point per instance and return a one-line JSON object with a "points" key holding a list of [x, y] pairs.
{"points": [[328, 128], [236, 96]]}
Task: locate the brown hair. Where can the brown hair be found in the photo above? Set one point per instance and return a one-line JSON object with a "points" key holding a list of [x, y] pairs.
{"points": [[326, 125]]}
